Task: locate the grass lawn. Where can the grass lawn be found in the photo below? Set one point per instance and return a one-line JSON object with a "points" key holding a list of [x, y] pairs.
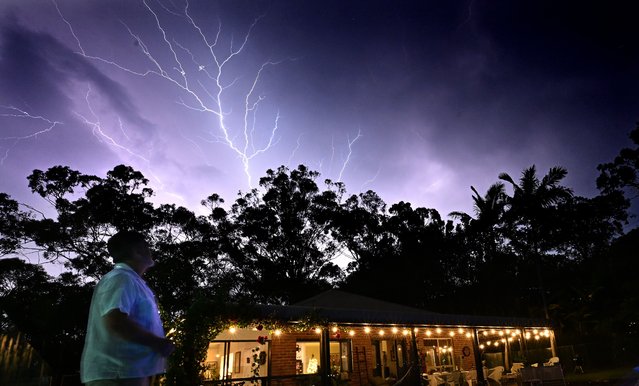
{"points": [[614, 376]]}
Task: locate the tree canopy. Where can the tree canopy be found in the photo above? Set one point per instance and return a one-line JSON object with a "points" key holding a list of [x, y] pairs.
{"points": [[531, 248]]}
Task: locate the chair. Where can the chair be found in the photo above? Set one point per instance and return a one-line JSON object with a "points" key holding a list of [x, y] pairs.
{"points": [[454, 379], [494, 377], [552, 361], [517, 366], [471, 377]]}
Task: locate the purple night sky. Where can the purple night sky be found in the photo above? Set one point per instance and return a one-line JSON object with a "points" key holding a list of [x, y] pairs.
{"points": [[431, 96]]}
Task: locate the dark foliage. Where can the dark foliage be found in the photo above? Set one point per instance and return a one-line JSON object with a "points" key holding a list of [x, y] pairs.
{"points": [[538, 251]]}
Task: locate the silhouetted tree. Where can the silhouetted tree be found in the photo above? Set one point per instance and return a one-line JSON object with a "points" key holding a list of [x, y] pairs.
{"points": [[623, 173], [483, 234], [281, 246], [50, 313], [531, 217]]}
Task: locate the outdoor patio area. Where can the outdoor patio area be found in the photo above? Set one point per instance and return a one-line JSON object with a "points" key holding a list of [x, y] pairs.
{"points": [[369, 342]]}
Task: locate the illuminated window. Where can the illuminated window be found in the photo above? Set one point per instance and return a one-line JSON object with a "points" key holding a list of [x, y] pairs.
{"points": [[308, 359], [438, 354], [234, 359]]}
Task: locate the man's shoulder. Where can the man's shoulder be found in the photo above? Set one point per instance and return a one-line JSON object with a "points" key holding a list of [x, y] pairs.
{"points": [[118, 276]]}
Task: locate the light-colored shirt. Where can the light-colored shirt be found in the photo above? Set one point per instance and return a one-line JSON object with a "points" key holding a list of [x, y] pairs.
{"points": [[108, 356]]}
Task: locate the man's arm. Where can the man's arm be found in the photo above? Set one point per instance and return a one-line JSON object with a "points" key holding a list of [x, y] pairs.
{"points": [[119, 323]]}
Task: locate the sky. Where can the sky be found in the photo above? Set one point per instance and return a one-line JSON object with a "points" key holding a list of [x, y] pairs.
{"points": [[416, 100]]}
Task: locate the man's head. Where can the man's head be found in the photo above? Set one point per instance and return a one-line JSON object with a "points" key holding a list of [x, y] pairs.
{"points": [[131, 247]]}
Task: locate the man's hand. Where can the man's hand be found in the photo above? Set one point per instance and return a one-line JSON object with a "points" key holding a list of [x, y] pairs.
{"points": [[119, 323], [164, 347]]}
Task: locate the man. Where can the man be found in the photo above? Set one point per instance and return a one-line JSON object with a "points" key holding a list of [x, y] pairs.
{"points": [[125, 343]]}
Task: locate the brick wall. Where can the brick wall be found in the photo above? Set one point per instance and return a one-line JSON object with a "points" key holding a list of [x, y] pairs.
{"points": [[282, 350]]}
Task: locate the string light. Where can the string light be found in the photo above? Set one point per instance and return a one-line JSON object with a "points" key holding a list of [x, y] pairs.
{"points": [[536, 337], [468, 335], [428, 333], [460, 330], [394, 330], [485, 333], [481, 346], [452, 333], [438, 330], [405, 332], [381, 332], [351, 333], [335, 329], [232, 330], [278, 332], [318, 330], [367, 330]]}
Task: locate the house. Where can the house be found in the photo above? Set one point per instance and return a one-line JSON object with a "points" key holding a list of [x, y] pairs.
{"points": [[365, 341]]}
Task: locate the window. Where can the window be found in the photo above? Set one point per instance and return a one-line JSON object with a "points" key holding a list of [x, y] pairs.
{"points": [[308, 359], [341, 356], [234, 359], [438, 354]]}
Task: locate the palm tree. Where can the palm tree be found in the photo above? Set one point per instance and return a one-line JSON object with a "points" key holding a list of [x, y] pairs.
{"points": [[489, 211], [530, 213]]}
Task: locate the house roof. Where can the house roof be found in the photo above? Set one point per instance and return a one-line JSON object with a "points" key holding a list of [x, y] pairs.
{"points": [[347, 308]]}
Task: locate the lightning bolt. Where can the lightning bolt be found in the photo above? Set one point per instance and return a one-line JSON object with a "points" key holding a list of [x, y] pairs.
{"points": [[100, 133], [370, 180], [209, 95], [297, 147], [14, 112], [350, 152], [470, 14]]}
